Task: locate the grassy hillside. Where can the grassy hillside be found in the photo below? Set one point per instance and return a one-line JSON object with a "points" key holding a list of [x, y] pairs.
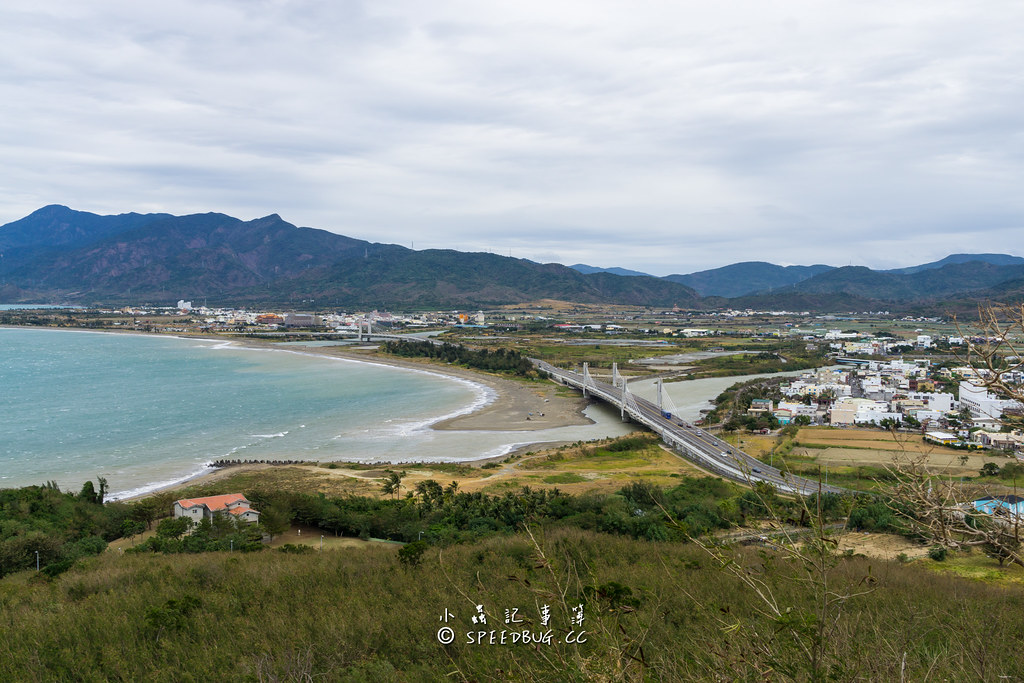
{"points": [[652, 611]]}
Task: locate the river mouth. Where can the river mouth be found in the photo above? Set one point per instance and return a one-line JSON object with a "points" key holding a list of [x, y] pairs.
{"points": [[689, 398]]}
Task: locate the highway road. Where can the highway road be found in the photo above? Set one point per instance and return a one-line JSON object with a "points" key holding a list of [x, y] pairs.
{"points": [[693, 443]]}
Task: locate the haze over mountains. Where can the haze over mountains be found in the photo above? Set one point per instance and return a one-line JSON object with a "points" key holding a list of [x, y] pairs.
{"points": [[61, 255]]}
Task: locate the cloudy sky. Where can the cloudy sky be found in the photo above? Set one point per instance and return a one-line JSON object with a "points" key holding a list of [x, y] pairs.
{"points": [[663, 136]]}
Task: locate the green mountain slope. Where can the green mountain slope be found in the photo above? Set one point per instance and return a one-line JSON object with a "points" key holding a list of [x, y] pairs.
{"points": [[76, 256], [739, 279]]}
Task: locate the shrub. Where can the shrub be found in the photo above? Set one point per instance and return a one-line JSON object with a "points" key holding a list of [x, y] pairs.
{"points": [[293, 549], [411, 554]]}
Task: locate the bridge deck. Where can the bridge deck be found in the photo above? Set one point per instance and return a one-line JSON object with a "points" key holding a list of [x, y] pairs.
{"points": [[696, 445]]}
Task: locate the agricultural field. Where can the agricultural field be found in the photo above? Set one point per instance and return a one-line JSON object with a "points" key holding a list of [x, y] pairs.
{"points": [[861, 459], [853, 447]]}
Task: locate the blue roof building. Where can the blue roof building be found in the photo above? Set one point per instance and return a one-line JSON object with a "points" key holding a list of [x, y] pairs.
{"points": [[1008, 505]]}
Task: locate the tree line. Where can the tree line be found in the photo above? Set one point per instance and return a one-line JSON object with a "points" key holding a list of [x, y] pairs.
{"points": [[501, 360]]}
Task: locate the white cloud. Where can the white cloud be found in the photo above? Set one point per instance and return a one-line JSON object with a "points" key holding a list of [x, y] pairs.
{"points": [[666, 137]]}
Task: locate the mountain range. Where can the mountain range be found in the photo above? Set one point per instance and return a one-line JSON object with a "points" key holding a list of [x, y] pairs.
{"points": [[58, 254]]}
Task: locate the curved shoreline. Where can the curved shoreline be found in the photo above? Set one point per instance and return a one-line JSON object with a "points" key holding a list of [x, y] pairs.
{"points": [[509, 406], [500, 405], [515, 406]]}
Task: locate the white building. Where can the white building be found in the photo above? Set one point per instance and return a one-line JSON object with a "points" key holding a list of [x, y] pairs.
{"points": [[198, 509], [941, 401], [982, 403]]}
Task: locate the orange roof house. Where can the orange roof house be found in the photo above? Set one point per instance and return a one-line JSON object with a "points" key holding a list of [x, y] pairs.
{"points": [[198, 509]]}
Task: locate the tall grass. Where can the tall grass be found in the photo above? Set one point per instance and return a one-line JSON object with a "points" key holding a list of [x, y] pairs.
{"points": [[659, 612]]}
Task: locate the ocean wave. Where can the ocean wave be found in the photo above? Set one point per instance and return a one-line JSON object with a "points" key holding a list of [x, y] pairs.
{"points": [[156, 486], [485, 395]]}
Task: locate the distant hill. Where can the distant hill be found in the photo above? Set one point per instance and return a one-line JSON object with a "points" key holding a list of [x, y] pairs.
{"points": [[992, 259], [625, 272], [950, 280], [953, 287], [740, 279], [57, 253]]}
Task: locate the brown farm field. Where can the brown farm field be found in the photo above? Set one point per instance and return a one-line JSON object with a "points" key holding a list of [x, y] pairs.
{"points": [[874, 439], [876, 447]]}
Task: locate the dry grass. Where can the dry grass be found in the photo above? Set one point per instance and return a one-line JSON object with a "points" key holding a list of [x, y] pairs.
{"points": [[363, 616], [572, 468], [873, 439], [883, 546], [854, 447]]}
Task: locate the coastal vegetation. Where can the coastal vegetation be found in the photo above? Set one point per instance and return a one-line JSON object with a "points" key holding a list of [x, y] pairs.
{"points": [[45, 526], [781, 356], [499, 360]]}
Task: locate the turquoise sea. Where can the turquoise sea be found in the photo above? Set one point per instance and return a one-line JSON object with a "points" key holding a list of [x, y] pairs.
{"points": [[147, 411]]}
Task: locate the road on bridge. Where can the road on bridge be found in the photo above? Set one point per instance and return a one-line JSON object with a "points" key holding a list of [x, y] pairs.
{"points": [[696, 445]]}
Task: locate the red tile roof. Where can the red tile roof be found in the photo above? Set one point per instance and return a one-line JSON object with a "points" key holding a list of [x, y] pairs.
{"points": [[214, 502]]}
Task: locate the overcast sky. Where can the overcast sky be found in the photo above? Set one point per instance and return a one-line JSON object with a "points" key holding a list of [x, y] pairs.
{"points": [[667, 137]]}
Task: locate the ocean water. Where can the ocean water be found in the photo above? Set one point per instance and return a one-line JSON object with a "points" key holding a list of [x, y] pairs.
{"points": [[147, 411]]}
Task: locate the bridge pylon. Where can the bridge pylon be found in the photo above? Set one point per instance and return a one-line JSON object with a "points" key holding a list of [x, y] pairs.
{"points": [[616, 377], [625, 392], [586, 378]]}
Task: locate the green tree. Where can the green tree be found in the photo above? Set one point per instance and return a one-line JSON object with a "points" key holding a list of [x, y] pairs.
{"points": [[131, 528], [989, 469], [173, 527], [88, 492], [275, 520], [392, 483]]}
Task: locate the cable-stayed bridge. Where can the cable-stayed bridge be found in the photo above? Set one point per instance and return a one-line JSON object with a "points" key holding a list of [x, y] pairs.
{"points": [[696, 445]]}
